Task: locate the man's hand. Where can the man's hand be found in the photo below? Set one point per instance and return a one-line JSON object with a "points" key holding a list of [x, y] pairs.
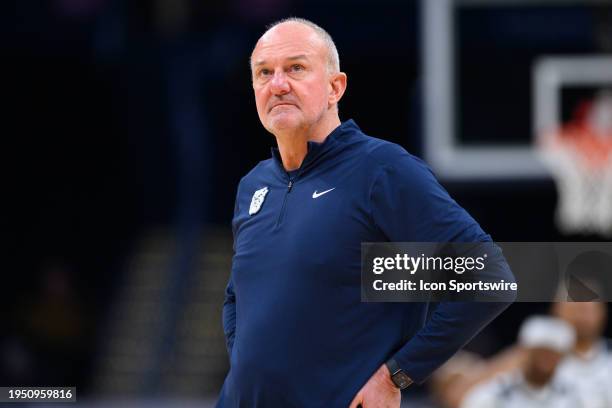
{"points": [[378, 392]]}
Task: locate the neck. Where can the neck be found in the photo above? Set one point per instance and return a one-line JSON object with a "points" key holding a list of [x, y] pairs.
{"points": [[583, 346], [293, 144], [535, 380]]}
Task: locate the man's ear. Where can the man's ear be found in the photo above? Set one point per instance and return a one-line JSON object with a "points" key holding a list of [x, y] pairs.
{"points": [[337, 87]]}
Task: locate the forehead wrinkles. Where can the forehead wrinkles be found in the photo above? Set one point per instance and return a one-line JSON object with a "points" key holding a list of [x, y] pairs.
{"points": [[271, 46]]}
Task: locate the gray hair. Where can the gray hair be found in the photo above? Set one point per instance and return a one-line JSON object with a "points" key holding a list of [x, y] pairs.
{"points": [[333, 59]]}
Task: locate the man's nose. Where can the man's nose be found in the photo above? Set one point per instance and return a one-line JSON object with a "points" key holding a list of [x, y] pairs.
{"points": [[279, 84]]}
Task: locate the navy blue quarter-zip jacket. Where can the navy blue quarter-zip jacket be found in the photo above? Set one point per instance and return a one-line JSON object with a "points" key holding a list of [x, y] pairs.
{"points": [[297, 332]]}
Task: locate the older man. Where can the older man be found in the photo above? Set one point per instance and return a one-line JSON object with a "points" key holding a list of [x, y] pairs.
{"points": [[297, 332]]}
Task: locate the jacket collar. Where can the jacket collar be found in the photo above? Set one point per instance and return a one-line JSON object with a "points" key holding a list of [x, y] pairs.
{"points": [[318, 150]]}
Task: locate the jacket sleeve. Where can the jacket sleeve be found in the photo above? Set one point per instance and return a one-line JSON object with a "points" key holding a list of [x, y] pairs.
{"points": [[229, 302], [409, 205], [229, 316]]}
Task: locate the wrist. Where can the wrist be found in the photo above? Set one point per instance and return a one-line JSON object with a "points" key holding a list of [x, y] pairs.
{"points": [[398, 378], [385, 377]]}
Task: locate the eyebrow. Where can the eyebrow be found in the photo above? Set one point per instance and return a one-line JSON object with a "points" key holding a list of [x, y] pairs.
{"points": [[293, 58]]}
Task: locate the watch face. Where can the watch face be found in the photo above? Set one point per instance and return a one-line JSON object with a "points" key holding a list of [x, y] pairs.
{"points": [[401, 380]]}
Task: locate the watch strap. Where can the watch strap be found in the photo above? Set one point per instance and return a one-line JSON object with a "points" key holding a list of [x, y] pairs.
{"points": [[398, 376], [393, 367]]}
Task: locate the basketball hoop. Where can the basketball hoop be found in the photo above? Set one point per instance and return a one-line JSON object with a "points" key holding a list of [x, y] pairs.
{"points": [[579, 156]]}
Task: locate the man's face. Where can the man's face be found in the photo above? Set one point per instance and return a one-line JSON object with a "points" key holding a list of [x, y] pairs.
{"points": [[291, 79], [542, 363]]}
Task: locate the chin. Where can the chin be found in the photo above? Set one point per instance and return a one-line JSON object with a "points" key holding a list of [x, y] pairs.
{"points": [[283, 122]]}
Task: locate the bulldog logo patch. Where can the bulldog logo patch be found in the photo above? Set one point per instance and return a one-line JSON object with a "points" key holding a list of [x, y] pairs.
{"points": [[257, 200]]}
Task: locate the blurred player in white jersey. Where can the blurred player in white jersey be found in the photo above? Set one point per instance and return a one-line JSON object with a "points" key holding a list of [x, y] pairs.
{"points": [[589, 365], [546, 341]]}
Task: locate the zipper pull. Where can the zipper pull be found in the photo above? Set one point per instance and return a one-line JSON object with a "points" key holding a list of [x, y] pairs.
{"points": [[289, 186]]}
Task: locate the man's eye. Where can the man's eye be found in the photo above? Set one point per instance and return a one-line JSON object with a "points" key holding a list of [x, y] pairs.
{"points": [[264, 72], [297, 67]]}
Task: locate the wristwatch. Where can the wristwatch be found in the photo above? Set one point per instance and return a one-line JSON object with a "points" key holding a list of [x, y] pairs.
{"points": [[399, 377]]}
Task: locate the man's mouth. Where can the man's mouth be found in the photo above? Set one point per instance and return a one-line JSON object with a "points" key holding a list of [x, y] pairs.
{"points": [[282, 104]]}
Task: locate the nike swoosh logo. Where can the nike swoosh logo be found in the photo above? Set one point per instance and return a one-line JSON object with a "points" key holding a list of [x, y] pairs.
{"points": [[317, 195]]}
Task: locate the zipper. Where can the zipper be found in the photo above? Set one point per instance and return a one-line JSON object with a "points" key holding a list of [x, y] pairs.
{"points": [[282, 211]]}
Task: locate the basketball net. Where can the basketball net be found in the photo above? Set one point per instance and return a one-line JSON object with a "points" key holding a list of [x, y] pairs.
{"points": [[579, 156]]}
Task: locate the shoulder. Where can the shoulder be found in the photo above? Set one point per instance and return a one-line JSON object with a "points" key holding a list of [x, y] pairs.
{"points": [[264, 167], [382, 151], [259, 173], [489, 393], [258, 177], [608, 345], [382, 155], [393, 166], [506, 384]]}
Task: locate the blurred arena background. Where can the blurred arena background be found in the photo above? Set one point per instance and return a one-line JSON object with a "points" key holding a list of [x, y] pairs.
{"points": [[129, 125]]}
